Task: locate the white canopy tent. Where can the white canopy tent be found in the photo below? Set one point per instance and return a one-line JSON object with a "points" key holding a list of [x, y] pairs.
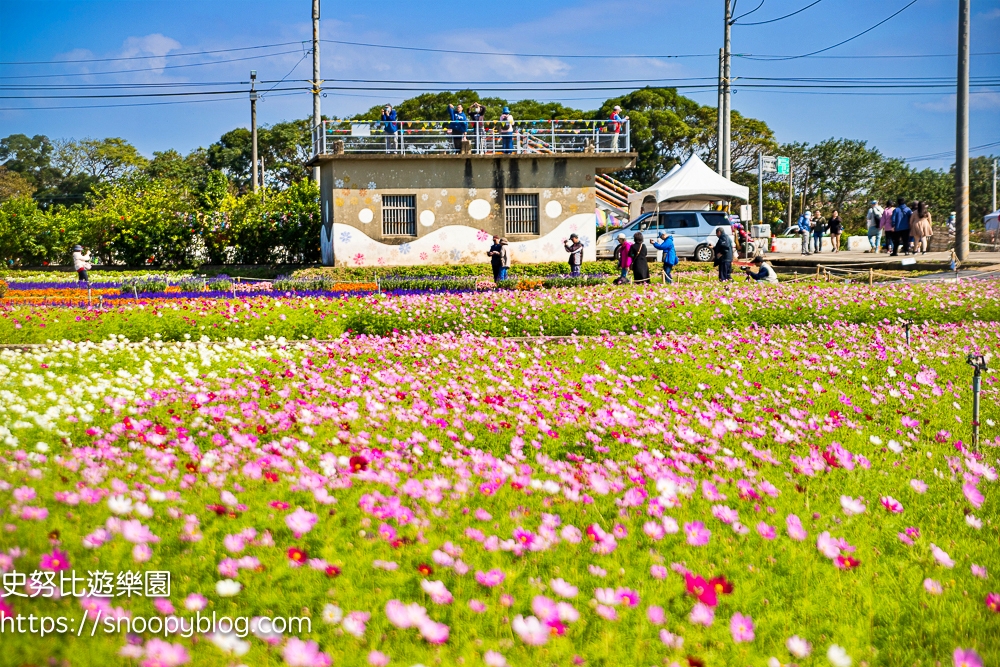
{"points": [[992, 221], [688, 186]]}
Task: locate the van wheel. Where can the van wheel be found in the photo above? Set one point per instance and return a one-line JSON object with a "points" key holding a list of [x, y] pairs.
{"points": [[703, 253]]}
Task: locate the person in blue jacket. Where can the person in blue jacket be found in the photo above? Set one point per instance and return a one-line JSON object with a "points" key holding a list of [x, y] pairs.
{"points": [[458, 126], [901, 227], [391, 128], [665, 244]]}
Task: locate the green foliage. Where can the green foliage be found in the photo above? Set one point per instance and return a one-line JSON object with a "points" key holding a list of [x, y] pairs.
{"points": [[144, 285]]}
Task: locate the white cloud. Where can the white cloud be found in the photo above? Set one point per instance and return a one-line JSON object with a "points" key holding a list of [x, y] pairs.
{"points": [[948, 103]]}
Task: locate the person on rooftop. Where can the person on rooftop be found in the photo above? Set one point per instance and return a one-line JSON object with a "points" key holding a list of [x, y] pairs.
{"points": [[507, 131], [391, 129], [458, 126], [615, 122]]}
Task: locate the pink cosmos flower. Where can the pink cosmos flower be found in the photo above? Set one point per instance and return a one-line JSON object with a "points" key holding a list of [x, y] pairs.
{"points": [[654, 530], [6, 610], [494, 659], [966, 657], [571, 534], [909, 422], [918, 485], [993, 602], [702, 614], [434, 633], [795, 530], [164, 654], [852, 506], [405, 615], [741, 628], [378, 659], [655, 615], [606, 612], [978, 571], [300, 522], [657, 572], [933, 587], [891, 504], [905, 539], [195, 602], [798, 646], [766, 531], [973, 494], [597, 570], [298, 653], [941, 556], [827, 545], [164, 606], [437, 592], [671, 640], [697, 534], [490, 578], [507, 600], [355, 623], [477, 606], [141, 553], [55, 561], [563, 589], [530, 630]]}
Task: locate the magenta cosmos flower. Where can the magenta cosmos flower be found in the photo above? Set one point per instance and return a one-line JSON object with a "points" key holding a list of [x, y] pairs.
{"points": [[697, 534], [55, 561], [491, 578], [966, 657], [891, 504]]}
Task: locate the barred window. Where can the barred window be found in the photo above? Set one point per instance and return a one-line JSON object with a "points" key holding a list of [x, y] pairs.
{"points": [[399, 215], [521, 214]]}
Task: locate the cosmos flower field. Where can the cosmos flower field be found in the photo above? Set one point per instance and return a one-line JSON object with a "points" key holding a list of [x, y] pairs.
{"points": [[758, 487]]}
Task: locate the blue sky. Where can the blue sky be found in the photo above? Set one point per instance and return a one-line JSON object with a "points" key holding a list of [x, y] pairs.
{"points": [[899, 125]]}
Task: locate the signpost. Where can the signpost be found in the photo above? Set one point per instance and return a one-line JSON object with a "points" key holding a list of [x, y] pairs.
{"points": [[772, 165]]}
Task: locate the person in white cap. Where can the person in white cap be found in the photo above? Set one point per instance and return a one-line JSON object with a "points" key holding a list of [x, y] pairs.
{"points": [[615, 127], [874, 218]]}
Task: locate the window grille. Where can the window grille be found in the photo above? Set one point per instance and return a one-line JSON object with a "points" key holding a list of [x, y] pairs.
{"points": [[521, 214], [399, 215]]}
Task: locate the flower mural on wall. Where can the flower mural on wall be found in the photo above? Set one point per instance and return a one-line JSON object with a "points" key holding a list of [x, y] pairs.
{"points": [[359, 259], [473, 192], [547, 194], [345, 237], [404, 249], [455, 255]]}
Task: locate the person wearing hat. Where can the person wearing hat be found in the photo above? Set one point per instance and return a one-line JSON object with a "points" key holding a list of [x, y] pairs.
{"points": [[764, 273], [575, 250], [640, 264], [622, 259], [507, 131], [874, 219], [476, 115], [81, 263], [666, 246], [615, 126]]}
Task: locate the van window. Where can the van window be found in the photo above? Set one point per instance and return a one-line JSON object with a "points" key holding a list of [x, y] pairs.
{"points": [[642, 223], [678, 220], [716, 218]]}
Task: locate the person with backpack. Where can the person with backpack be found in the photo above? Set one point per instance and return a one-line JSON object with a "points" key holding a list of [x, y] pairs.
{"points": [[507, 131], [458, 126], [575, 250], [666, 246], [723, 255], [615, 122], [874, 220]]}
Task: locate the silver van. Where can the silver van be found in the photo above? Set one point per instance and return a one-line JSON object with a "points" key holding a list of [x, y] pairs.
{"points": [[693, 232]]}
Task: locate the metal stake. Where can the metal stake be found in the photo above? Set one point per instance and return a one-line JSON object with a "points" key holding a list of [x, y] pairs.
{"points": [[978, 363]]}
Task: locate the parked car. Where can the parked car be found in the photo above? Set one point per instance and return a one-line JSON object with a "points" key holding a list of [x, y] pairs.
{"points": [[693, 232]]}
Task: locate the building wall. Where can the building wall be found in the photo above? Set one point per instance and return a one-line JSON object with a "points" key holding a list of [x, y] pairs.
{"points": [[459, 206]]}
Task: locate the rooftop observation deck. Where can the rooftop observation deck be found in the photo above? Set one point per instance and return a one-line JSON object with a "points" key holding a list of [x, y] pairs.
{"points": [[417, 138]]}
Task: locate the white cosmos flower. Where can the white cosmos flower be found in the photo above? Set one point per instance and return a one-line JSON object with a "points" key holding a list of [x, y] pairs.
{"points": [[838, 656], [798, 646], [227, 588], [332, 614], [120, 504]]}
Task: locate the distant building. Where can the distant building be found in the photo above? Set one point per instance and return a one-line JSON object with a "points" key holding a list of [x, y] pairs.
{"points": [[417, 196]]}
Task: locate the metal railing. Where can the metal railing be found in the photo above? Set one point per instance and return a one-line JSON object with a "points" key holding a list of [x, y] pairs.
{"points": [[417, 137]]}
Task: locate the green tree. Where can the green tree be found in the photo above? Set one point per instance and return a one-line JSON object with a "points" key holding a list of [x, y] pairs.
{"points": [[13, 184], [31, 157]]}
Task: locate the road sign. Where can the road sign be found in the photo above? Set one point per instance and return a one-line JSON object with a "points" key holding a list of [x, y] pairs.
{"points": [[768, 163], [783, 165]]}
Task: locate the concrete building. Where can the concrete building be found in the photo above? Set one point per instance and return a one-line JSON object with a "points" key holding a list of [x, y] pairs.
{"points": [[390, 199]]}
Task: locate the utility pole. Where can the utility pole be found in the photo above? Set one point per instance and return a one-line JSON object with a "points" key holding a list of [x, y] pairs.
{"points": [[316, 82], [760, 187], [962, 137], [791, 192], [253, 127], [726, 92], [720, 160], [994, 185]]}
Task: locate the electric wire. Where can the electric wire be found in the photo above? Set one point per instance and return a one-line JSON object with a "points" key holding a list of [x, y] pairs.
{"points": [[165, 55], [780, 18]]}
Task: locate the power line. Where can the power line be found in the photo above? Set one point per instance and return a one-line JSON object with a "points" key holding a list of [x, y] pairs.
{"points": [[733, 22], [863, 32], [108, 96], [151, 69], [137, 104], [515, 55], [936, 156], [780, 18], [165, 55]]}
